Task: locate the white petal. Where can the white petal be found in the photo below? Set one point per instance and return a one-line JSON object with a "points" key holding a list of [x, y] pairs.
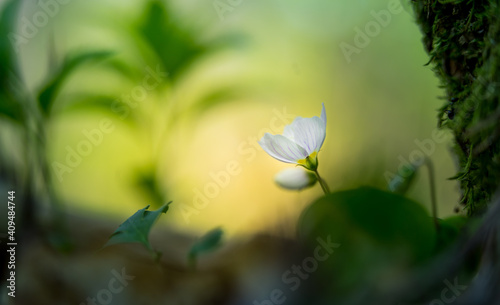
{"points": [[295, 178], [307, 132], [323, 114], [282, 148]]}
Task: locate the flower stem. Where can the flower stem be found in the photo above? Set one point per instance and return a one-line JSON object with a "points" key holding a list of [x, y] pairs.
{"points": [[322, 182]]}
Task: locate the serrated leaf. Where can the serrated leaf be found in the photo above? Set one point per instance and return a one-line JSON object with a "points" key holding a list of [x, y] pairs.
{"points": [[49, 91], [208, 242], [136, 228]]}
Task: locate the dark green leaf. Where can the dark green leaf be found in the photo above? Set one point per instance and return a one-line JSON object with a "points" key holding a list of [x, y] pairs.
{"points": [[136, 228], [449, 230], [377, 230]]}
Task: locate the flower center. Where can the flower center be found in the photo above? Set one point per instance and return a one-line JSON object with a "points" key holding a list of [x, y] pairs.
{"points": [[310, 162]]}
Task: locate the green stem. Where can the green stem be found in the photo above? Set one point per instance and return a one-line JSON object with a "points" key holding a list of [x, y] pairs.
{"points": [[432, 185], [322, 182]]}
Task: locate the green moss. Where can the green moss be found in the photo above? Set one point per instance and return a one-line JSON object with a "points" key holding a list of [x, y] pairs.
{"points": [[462, 39]]}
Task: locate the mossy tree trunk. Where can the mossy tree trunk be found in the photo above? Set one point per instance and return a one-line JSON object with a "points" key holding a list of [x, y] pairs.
{"points": [[462, 38]]}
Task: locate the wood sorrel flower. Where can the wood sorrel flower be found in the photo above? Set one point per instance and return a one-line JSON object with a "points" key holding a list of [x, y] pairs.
{"points": [[300, 142]]}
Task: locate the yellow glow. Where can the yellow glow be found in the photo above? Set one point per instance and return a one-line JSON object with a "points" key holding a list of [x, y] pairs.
{"points": [[290, 65]]}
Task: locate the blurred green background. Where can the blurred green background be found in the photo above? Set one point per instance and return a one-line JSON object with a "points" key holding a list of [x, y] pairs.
{"points": [[233, 67]]}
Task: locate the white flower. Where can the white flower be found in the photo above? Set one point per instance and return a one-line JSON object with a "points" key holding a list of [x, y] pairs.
{"points": [[300, 142], [295, 178]]}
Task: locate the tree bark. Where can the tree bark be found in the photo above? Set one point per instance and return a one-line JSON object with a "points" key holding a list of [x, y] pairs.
{"points": [[462, 39]]}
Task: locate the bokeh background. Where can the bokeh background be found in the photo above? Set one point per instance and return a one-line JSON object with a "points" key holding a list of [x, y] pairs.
{"points": [[233, 67]]}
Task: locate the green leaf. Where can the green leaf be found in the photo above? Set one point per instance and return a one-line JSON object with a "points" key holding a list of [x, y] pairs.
{"points": [[173, 45], [90, 102], [208, 242], [10, 105], [108, 104], [136, 228], [8, 43], [217, 98], [147, 182], [379, 232], [49, 91], [449, 231]]}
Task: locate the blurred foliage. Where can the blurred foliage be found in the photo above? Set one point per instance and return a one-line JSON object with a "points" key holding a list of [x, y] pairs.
{"points": [[48, 93], [9, 73], [384, 237], [377, 231], [165, 39], [174, 46], [207, 243], [148, 182], [449, 231]]}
